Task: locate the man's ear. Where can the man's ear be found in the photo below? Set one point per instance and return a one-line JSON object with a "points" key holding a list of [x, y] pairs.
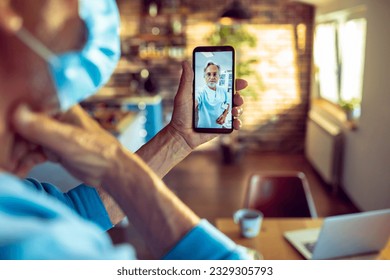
{"points": [[38, 16], [58, 24], [74, 28]]}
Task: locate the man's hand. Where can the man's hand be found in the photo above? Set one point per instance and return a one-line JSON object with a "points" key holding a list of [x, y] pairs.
{"points": [[222, 118], [24, 156], [97, 158], [84, 148], [181, 122]]}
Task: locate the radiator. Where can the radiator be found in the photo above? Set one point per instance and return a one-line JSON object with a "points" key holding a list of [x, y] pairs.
{"points": [[323, 148]]}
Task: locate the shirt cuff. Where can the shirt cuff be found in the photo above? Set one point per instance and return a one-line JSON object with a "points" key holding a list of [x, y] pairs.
{"points": [[89, 205], [205, 242], [83, 199]]}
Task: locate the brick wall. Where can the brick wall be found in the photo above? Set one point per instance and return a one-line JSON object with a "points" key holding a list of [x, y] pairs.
{"points": [[275, 116]]}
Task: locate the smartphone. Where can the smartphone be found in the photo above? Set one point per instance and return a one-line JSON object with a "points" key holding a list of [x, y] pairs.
{"points": [[213, 88]]}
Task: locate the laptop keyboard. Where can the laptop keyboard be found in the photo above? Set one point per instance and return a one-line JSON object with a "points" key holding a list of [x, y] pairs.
{"points": [[310, 246]]}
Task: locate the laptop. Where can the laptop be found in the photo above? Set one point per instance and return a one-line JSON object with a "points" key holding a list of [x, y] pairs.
{"points": [[343, 235]]}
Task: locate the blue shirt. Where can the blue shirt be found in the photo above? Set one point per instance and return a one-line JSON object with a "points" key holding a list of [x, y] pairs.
{"points": [[211, 104], [37, 221]]}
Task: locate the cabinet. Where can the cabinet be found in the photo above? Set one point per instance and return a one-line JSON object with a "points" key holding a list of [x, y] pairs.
{"points": [[153, 43], [161, 32], [158, 49]]}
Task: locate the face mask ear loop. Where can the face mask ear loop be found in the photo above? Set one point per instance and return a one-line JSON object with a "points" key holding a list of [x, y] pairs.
{"points": [[36, 46]]}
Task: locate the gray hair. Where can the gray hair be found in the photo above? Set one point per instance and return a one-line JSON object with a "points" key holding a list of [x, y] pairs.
{"points": [[211, 63]]}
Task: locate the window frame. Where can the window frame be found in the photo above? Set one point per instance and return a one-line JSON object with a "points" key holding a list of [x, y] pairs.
{"points": [[340, 19]]}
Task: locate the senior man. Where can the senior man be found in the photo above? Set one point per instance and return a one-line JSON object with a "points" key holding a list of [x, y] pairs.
{"points": [[53, 54]]}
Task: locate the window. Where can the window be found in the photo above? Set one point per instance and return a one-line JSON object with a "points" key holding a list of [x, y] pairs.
{"points": [[325, 59], [339, 49], [352, 47]]}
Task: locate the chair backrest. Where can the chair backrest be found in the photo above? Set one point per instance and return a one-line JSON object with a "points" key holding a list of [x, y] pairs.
{"points": [[280, 194]]}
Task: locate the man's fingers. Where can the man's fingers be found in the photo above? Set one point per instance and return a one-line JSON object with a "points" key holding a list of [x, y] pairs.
{"points": [[28, 162], [186, 79], [237, 124], [19, 149], [237, 111], [238, 100], [241, 84], [42, 130]]}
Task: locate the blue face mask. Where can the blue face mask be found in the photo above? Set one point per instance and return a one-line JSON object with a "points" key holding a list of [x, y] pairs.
{"points": [[79, 74]]}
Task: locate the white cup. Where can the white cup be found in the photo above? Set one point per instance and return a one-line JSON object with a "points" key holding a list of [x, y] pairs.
{"points": [[249, 221]]}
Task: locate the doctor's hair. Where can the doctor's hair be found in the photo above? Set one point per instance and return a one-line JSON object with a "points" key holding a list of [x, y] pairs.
{"points": [[212, 63]]}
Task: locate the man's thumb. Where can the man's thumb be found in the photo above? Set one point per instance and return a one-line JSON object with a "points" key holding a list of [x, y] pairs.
{"points": [[186, 79]]}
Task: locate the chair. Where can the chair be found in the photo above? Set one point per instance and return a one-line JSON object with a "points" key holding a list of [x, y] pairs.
{"points": [[280, 194]]}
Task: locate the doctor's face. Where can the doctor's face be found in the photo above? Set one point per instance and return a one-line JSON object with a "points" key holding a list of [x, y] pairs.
{"points": [[212, 76]]}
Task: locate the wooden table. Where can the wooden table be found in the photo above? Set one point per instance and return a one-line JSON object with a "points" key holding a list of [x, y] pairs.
{"points": [[271, 243]]}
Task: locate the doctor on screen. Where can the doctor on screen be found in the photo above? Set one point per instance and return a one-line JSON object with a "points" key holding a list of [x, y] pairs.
{"points": [[211, 101]]}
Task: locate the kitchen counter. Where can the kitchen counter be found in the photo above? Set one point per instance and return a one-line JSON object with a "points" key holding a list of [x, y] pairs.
{"points": [[149, 105], [120, 95]]}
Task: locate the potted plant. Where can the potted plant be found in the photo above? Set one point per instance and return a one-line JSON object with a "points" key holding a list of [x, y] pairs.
{"points": [[350, 108], [237, 36]]}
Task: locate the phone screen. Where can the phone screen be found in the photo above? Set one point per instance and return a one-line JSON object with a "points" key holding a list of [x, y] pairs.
{"points": [[214, 80]]}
